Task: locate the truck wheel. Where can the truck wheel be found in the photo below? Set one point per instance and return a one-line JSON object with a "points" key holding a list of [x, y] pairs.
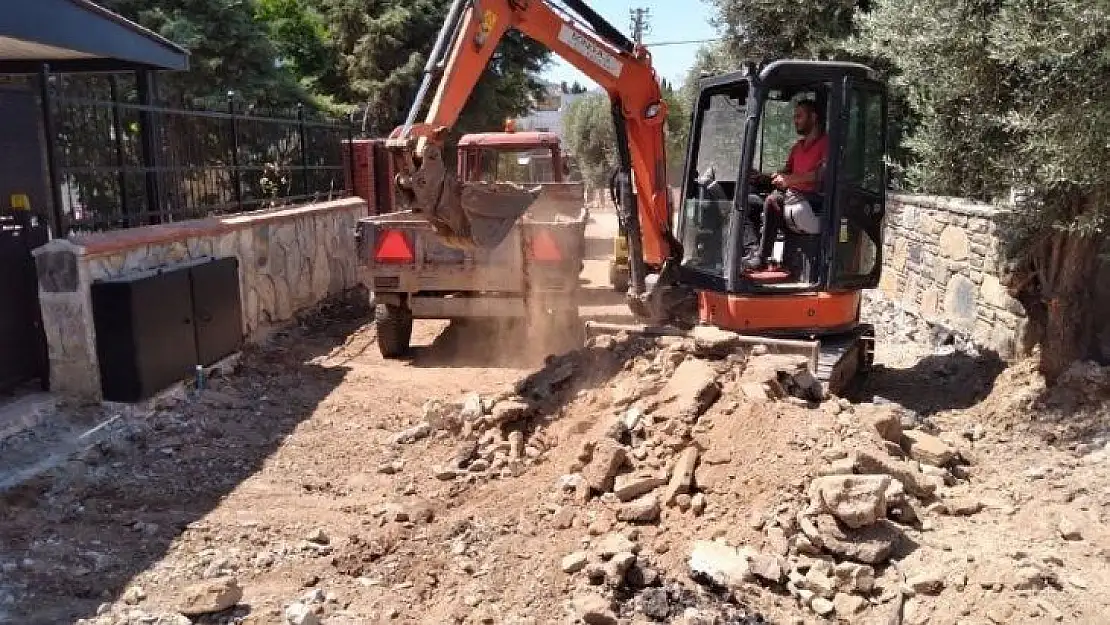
{"points": [[394, 329]]}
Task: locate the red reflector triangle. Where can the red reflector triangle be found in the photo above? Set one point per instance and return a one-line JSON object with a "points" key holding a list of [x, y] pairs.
{"points": [[394, 247], [544, 247]]}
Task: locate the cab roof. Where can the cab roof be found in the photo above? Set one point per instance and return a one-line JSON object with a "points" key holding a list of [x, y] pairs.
{"points": [[510, 139]]}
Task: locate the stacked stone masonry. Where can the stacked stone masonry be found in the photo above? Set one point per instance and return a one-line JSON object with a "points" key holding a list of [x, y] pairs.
{"points": [[289, 260], [942, 265]]}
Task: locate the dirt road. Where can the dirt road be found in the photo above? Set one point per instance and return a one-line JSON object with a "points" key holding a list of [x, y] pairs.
{"points": [[315, 485]]}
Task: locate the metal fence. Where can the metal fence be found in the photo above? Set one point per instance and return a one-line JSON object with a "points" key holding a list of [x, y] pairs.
{"points": [[122, 164]]}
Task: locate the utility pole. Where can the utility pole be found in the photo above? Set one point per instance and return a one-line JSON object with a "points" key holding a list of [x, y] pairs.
{"points": [[640, 23]]}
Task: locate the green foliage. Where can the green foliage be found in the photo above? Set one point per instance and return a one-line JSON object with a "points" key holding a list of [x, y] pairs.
{"points": [[384, 44], [304, 45], [762, 30], [590, 137], [1009, 94], [230, 50]]}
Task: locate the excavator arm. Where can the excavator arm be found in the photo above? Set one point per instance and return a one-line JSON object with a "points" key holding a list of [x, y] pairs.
{"points": [[480, 214]]}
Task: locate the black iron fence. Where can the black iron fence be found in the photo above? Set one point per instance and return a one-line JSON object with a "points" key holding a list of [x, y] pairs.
{"points": [[121, 164]]}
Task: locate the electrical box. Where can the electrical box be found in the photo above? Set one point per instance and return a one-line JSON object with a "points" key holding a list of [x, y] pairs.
{"points": [[154, 328]]}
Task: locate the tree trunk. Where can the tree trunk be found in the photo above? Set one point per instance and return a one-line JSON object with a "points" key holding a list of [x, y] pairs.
{"points": [[1065, 266]]}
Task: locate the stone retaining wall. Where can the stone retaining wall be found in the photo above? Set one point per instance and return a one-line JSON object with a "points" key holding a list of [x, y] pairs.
{"points": [[942, 265], [289, 260]]}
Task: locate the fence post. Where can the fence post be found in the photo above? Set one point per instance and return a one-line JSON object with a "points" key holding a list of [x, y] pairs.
{"points": [[236, 175], [59, 226], [304, 150], [146, 85], [351, 186], [117, 132]]}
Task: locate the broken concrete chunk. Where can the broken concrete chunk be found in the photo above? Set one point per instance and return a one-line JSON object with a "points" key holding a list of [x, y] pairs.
{"points": [[413, 434], [594, 609], [210, 597], [822, 606], [873, 544], [614, 543], [572, 563], [927, 448], [769, 567], [608, 458], [854, 577], [847, 605], [682, 478], [619, 566], [927, 583], [645, 509], [508, 412], [719, 564], [820, 583], [713, 342], [885, 423], [629, 487], [693, 388], [916, 483], [857, 500], [472, 407]]}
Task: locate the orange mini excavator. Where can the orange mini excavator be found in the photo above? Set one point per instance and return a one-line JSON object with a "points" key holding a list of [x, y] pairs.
{"points": [[687, 264]]}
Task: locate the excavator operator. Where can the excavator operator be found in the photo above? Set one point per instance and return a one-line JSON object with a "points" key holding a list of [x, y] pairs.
{"points": [[795, 202]]}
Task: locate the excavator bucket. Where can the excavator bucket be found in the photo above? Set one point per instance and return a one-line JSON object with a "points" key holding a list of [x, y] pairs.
{"points": [[464, 215]]}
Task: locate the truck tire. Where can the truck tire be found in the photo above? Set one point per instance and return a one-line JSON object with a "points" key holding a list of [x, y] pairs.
{"points": [[394, 329]]}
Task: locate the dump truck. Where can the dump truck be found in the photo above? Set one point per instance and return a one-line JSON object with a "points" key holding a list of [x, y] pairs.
{"points": [[532, 275]]}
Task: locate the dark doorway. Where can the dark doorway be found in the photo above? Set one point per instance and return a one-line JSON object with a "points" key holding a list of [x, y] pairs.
{"points": [[23, 201]]}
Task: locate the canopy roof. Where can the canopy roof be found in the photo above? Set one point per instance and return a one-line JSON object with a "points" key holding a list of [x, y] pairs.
{"points": [[80, 36]]}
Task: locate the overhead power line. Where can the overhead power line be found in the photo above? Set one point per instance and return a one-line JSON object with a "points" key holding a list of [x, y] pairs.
{"points": [[658, 44]]}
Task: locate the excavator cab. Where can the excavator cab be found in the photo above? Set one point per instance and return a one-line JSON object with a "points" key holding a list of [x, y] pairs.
{"points": [[742, 132]]}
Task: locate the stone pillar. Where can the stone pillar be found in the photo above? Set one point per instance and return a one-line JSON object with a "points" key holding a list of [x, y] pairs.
{"points": [[68, 320]]}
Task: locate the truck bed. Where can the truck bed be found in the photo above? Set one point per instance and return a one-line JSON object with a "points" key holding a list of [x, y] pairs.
{"points": [[540, 258]]}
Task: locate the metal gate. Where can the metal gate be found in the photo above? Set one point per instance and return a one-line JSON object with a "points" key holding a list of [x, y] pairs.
{"points": [[22, 342], [23, 197]]}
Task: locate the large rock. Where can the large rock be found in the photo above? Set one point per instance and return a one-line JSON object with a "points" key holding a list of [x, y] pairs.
{"points": [[768, 567], [629, 487], [927, 448], [508, 412], [857, 500], [692, 389], [720, 564], [873, 544], [210, 597], [885, 423], [612, 544], [645, 509], [608, 458], [916, 483], [682, 478], [713, 342]]}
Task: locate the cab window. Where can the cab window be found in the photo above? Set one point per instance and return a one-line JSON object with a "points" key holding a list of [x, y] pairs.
{"points": [[707, 205], [861, 186]]}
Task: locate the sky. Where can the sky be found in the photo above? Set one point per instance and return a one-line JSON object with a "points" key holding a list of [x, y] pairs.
{"points": [[668, 20]]}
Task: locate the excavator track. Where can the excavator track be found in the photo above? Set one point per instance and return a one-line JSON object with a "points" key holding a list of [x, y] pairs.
{"points": [[839, 362]]}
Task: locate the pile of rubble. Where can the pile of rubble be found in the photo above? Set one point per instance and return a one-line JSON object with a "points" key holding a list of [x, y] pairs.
{"points": [[828, 543]]}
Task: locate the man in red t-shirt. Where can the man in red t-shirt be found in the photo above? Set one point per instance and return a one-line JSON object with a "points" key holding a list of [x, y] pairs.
{"points": [[801, 176]]}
